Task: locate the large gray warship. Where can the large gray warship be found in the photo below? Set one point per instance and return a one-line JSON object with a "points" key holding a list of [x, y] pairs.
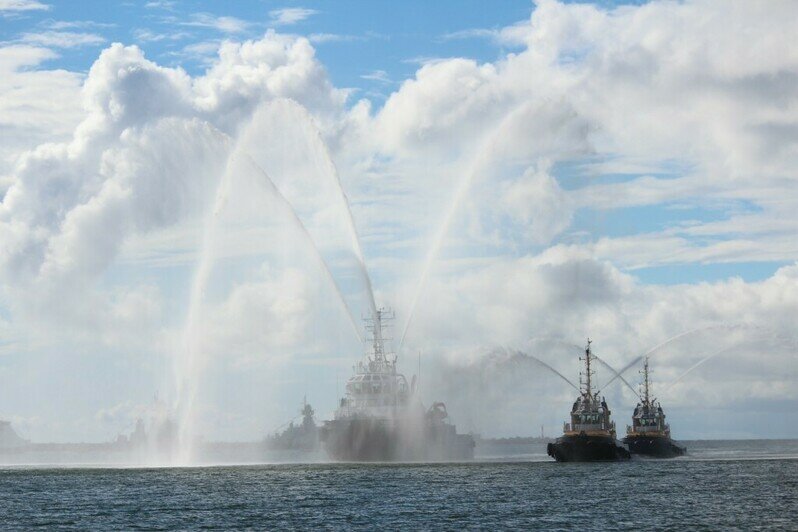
{"points": [[381, 417], [301, 437]]}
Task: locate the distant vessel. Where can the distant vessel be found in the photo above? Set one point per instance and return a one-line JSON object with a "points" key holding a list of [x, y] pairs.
{"points": [[649, 434], [590, 436], [301, 437], [381, 419]]}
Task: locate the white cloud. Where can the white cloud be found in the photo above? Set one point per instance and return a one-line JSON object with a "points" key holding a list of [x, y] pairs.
{"points": [[321, 38], [290, 15], [146, 35], [22, 5], [63, 39], [377, 75], [72, 24], [161, 4], [28, 113], [538, 204], [471, 34], [514, 36], [221, 24], [70, 206], [565, 297]]}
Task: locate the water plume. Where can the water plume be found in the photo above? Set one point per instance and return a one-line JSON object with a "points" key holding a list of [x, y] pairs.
{"points": [[539, 362], [187, 363], [186, 368], [481, 158], [576, 347], [694, 366], [616, 375], [659, 346], [316, 151], [291, 213], [353, 234]]}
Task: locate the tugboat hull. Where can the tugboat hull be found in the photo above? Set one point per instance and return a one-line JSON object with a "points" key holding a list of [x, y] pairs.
{"points": [[655, 446], [359, 440], [375, 440], [586, 448]]}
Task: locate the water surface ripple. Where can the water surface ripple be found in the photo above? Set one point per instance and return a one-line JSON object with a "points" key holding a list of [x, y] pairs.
{"points": [[647, 494]]}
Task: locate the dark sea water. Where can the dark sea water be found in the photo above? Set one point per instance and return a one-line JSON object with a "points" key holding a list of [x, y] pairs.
{"points": [[720, 486]]}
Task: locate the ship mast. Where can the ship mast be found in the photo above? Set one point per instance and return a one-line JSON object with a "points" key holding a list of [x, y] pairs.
{"points": [[376, 340], [588, 372], [375, 327], [646, 382]]}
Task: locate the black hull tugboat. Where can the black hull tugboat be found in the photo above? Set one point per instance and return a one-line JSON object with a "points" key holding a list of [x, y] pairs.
{"points": [[590, 435], [381, 418], [649, 435]]}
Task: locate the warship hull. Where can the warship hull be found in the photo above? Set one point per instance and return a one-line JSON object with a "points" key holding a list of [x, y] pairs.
{"points": [[654, 446], [376, 440], [586, 448]]}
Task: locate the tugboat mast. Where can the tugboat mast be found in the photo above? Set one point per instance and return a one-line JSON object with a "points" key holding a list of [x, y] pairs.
{"points": [[588, 372], [646, 383]]}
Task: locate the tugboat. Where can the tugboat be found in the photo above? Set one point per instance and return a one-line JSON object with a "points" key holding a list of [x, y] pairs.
{"points": [[649, 434], [590, 436], [381, 419]]}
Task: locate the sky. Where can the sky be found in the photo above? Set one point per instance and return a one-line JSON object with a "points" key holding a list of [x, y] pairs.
{"points": [[196, 197]]}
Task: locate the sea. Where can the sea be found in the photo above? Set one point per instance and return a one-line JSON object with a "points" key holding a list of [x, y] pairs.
{"points": [[719, 485]]}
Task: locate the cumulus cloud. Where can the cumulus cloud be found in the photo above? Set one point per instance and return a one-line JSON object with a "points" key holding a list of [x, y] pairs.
{"points": [[659, 106], [537, 203], [28, 115], [547, 305], [71, 205]]}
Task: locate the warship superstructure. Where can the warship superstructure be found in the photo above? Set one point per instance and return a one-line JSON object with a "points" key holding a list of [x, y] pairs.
{"points": [[381, 418], [590, 434], [649, 434], [301, 437]]}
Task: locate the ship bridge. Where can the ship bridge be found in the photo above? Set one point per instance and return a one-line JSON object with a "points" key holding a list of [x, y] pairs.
{"points": [[376, 389]]}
